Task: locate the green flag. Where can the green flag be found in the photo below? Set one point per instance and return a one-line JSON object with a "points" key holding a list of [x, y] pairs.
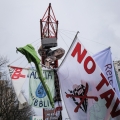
{"points": [[31, 56]]}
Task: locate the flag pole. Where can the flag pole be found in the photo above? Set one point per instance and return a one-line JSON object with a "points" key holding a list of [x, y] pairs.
{"points": [[64, 59], [69, 48]]}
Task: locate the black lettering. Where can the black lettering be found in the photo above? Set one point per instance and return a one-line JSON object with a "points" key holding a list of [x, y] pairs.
{"points": [[48, 102], [49, 75], [40, 104], [36, 75], [36, 102], [32, 74], [110, 78], [108, 66], [44, 104]]}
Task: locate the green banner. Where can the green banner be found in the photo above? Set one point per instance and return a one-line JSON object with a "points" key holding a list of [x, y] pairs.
{"points": [[37, 95]]}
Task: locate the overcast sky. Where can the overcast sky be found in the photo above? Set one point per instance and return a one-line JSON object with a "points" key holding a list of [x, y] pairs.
{"points": [[98, 22]]}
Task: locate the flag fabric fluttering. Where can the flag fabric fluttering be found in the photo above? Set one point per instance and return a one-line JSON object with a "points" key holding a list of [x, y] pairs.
{"points": [[86, 92], [31, 56], [104, 61], [18, 76], [37, 94]]}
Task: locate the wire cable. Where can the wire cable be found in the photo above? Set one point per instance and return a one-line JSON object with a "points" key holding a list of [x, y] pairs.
{"points": [[16, 59], [67, 30], [94, 41], [63, 39], [70, 38], [35, 41], [66, 36], [21, 62], [83, 38], [36, 44]]}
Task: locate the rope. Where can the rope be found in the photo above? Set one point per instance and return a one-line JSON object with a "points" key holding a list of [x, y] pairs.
{"points": [[32, 66]]}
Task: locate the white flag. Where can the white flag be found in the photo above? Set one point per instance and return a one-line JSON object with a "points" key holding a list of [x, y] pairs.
{"points": [[104, 61], [86, 92], [18, 76]]}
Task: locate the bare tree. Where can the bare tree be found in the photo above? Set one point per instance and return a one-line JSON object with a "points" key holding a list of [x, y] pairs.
{"points": [[9, 103], [3, 62]]}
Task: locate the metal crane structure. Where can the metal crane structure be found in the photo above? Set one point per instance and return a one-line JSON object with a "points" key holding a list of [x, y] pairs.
{"points": [[49, 28], [49, 31]]}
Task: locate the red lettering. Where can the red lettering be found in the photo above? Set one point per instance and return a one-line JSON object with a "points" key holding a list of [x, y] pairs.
{"points": [[17, 73], [77, 50], [109, 99], [115, 113], [103, 81], [92, 69]]}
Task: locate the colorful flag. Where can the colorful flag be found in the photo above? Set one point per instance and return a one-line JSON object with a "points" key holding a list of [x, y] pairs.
{"points": [[104, 61], [18, 76], [85, 89], [37, 94]]}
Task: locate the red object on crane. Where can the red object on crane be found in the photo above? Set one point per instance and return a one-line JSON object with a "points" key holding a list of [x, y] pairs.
{"points": [[49, 24], [49, 30]]}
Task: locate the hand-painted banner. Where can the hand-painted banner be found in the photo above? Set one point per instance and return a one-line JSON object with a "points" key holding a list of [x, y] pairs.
{"points": [[18, 76], [37, 95], [85, 89]]}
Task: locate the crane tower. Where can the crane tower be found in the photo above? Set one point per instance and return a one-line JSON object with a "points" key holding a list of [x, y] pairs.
{"points": [[49, 36]]}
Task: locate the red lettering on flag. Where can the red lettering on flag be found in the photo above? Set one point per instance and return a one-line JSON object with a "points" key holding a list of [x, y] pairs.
{"points": [[92, 69], [103, 81], [17, 73], [115, 113], [109, 99], [77, 50]]}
